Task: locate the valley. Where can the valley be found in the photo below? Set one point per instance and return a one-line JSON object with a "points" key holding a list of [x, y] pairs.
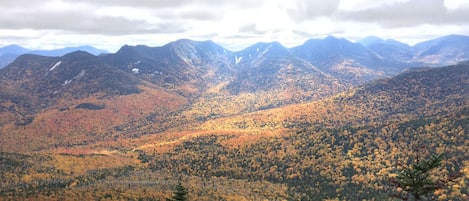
{"points": [[327, 120]]}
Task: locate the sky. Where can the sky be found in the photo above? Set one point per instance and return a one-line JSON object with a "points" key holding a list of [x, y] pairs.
{"points": [[234, 24]]}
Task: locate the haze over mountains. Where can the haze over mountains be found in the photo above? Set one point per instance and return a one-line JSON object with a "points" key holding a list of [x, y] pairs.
{"points": [[326, 119], [10, 52]]}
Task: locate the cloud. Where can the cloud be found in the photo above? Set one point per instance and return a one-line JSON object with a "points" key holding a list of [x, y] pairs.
{"points": [[174, 3], [85, 19], [250, 28], [311, 9], [236, 23], [408, 13]]}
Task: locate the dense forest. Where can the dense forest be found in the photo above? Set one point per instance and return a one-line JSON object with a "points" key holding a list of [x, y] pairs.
{"points": [[347, 147]]}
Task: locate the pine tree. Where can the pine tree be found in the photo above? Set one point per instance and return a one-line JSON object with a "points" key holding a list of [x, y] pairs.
{"points": [[180, 193], [415, 179]]}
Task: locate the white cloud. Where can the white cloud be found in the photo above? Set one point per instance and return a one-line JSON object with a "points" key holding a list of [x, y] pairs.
{"points": [[311, 9], [234, 23], [456, 4], [408, 13]]}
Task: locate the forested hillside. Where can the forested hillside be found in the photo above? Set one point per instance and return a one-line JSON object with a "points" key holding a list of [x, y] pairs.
{"points": [[346, 147]]}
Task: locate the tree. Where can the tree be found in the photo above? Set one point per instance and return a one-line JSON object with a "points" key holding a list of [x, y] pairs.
{"points": [[179, 194], [416, 179]]}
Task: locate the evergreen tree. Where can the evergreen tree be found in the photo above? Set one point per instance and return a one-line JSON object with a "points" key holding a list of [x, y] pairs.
{"points": [[416, 179], [180, 193]]}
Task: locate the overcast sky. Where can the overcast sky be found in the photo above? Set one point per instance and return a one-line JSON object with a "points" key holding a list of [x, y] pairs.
{"points": [[234, 24]]}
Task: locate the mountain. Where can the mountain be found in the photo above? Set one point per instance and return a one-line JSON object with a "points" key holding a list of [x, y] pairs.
{"points": [[185, 66], [202, 79], [439, 90], [271, 66], [260, 51], [373, 40], [194, 81], [442, 51], [76, 74], [267, 122], [9, 53], [13, 49], [66, 50], [71, 93], [219, 81], [345, 60], [391, 50]]}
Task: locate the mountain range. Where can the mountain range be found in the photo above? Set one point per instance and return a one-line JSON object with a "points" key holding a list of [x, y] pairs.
{"points": [[355, 63], [327, 118], [204, 80], [10, 52]]}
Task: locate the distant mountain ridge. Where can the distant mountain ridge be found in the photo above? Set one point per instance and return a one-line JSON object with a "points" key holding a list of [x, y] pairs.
{"points": [[330, 53], [10, 52], [194, 81], [196, 69], [352, 62]]}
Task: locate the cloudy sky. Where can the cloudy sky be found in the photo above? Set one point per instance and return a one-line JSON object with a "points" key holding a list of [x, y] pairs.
{"points": [[235, 24]]}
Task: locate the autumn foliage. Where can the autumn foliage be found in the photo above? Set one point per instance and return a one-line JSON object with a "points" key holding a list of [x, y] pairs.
{"points": [[139, 146]]}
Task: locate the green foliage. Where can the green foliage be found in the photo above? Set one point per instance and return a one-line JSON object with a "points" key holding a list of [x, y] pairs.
{"points": [[180, 193], [417, 179]]}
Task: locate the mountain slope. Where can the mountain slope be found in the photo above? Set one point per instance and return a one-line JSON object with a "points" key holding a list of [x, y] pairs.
{"points": [[426, 92], [220, 83], [9, 53], [270, 66], [335, 147], [342, 147], [191, 81], [73, 99], [345, 60], [184, 66], [75, 75], [442, 51], [66, 50], [391, 50]]}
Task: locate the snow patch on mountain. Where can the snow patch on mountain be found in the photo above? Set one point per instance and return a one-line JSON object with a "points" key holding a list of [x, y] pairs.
{"points": [[266, 50], [67, 82], [81, 74], [55, 66], [238, 59]]}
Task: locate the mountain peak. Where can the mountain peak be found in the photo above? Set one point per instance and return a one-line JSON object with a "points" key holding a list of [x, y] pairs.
{"points": [[455, 36], [330, 37], [261, 49], [454, 39], [200, 44], [13, 46], [12, 49], [78, 53], [374, 40], [370, 40], [182, 41], [445, 50], [82, 56]]}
